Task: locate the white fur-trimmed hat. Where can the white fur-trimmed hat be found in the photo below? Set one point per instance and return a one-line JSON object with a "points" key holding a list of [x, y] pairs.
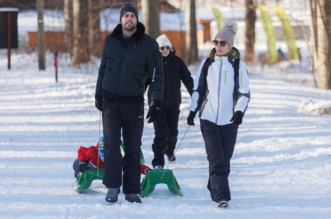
{"points": [[163, 41]]}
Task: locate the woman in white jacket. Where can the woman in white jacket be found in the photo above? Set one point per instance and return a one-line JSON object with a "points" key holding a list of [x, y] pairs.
{"points": [[221, 95]]}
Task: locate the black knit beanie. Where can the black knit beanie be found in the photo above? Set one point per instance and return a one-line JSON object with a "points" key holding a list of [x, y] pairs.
{"points": [[128, 7]]}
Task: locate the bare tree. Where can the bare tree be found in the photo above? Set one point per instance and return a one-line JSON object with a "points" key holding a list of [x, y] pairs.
{"points": [[41, 43], [250, 19], [68, 26], [191, 55], [81, 49], [151, 16], [94, 8], [321, 25]]}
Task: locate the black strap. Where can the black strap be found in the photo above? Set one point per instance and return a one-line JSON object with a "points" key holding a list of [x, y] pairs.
{"points": [[235, 65]]}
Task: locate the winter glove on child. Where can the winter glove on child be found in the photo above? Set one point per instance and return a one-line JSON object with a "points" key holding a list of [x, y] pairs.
{"points": [[190, 118], [237, 118], [154, 111], [98, 101], [82, 166]]}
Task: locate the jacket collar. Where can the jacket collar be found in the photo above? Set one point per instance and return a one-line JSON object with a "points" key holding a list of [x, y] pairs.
{"points": [[118, 33]]}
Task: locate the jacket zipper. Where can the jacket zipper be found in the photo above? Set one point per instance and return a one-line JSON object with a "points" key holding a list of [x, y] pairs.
{"points": [[218, 93]]}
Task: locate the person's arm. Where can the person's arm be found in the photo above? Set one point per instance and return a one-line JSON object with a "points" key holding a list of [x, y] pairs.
{"points": [[156, 75], [199, 91], [156, 84], [102, 69], [242, 93], [200, 86], [185, 76]]}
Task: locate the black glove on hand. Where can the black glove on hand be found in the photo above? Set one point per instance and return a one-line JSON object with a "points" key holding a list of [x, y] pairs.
{"points": [[83, 166], [237, 118], [190, 118], [98, 102], [154, 111]]}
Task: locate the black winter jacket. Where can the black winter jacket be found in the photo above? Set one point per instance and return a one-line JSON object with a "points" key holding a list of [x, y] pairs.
{"points": [[175, 72], [127, 64]]}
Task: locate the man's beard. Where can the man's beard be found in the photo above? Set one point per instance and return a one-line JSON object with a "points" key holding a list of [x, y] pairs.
{"points": [[129, 27]]}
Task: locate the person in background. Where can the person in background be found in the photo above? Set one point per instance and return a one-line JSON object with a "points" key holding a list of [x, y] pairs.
{"points": [[130, 59], [166, 127], [221, 94]]}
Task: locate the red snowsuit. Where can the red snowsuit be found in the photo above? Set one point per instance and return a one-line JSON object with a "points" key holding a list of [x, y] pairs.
{"points": [[91, 154]]}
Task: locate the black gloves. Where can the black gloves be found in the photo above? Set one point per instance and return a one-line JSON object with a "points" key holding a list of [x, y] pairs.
{"points": [[237, 118], [83, 166], [98, 101], [154, 111], [190, 118]]}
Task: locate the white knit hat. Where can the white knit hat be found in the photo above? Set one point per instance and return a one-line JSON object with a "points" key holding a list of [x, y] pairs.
{"points": [[163, 41], [228, 32]]}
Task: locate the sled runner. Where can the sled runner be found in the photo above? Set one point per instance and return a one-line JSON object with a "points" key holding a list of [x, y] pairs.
{"points": [[154, 177], [84, 180]]}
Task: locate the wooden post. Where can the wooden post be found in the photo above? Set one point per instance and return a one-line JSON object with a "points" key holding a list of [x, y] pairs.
{"points": [[56, 65], [8, 38], [41, 43]]}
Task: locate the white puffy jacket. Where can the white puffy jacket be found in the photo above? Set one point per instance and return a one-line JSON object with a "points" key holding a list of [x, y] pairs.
{"points": [[218, 98]]}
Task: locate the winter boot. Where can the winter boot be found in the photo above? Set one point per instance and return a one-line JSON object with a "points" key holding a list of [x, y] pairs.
{"points": [[132, 198], [223, 204], [171, 159], [112, 195], [158, 167]]}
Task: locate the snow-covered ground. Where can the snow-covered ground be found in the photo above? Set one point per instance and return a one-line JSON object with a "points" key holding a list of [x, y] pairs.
{"points": [[281, 167]]}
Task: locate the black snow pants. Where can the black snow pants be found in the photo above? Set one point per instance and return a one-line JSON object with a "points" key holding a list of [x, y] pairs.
{"points": [[124, 119], [219, 143], [166, 132]]}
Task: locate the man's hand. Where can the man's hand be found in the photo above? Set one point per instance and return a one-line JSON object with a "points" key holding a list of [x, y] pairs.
{"points": [[98, 102], [154, 111]]}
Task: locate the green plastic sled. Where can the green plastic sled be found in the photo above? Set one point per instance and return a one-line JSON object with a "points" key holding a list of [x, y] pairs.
{"points": [[84, 180], [154, 177]]}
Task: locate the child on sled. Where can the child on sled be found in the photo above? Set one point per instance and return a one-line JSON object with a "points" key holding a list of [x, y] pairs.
{"points": [[93, 157]]}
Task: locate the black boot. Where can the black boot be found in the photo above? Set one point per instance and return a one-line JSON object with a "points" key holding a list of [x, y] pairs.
{"points": [[112, 195], [132, 198]]}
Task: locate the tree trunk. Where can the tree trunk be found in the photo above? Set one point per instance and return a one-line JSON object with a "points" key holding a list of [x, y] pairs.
{"points": [[41, 43], [191, 54], [321, 24], [250, 31], [68, 26], [151, 15], [94, 8], [81, 49]]}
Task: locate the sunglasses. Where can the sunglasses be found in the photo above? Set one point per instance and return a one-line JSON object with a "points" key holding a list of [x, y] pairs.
{"points": [[163, 47], [216, 42]]}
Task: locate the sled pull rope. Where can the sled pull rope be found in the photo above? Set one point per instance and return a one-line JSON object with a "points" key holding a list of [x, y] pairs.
{"points": [[177, 148], [100, 118]]}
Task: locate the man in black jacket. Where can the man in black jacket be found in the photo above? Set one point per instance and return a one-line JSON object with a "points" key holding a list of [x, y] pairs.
{"points": [[166, 127], [130, 59]]}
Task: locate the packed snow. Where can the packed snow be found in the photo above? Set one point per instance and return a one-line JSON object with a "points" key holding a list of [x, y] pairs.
{"points": [[280, 169]]}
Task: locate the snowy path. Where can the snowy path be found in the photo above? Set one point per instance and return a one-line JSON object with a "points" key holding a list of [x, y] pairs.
{"points": [[281, 167]]}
